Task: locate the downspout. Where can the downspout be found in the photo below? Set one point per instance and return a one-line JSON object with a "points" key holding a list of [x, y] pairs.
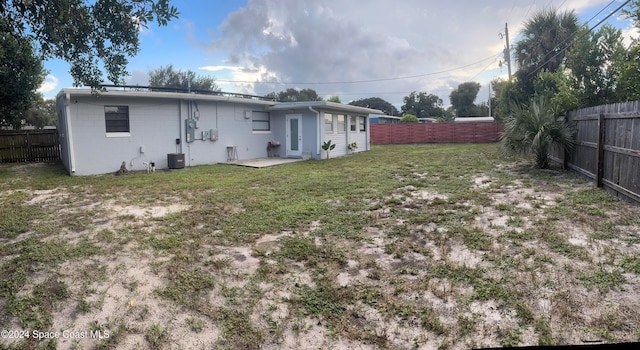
{"points": [[180, 131], [189, 114], [319, 130], [67, 117]]}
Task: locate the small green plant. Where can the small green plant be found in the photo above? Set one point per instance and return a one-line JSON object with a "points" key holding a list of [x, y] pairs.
{"points": [[156, 335], [352, 146], [195, 324], [327, 146], [512, 338]]}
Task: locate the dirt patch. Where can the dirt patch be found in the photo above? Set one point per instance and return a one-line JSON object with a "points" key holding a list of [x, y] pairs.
{"points": [[145, 212]]}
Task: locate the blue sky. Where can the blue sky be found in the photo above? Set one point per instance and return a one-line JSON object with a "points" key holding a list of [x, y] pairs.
{"points": [[350, 48]]}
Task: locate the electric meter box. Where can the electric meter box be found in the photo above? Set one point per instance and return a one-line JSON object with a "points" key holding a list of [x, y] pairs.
{"points": [[190, 128]]}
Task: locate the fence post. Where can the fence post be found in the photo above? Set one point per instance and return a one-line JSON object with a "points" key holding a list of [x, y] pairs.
{"points": [[600, 153]]}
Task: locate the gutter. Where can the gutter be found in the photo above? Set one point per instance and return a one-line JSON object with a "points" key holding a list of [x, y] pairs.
{"points": [[319, 130]]}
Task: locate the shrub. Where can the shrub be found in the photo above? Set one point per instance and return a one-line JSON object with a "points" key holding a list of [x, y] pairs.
{"points": [[409, 118]]}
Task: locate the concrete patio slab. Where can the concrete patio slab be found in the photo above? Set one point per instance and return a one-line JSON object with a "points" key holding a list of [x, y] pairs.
{"points": [[264, 162]]}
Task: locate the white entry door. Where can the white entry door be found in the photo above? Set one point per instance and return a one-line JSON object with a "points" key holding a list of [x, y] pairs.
{"points": [[294, 135]]}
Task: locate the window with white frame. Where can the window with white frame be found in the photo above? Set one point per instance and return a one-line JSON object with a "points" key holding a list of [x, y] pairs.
{"points": [[328, 123], [116, 119], [342, 123], [362, 123], [352, 123], [260, 121]]}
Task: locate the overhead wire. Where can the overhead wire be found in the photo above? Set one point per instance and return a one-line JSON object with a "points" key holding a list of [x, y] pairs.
{"points": [[359, 81], [583, 34]]}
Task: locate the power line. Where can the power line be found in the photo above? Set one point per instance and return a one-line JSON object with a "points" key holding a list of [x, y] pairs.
{"points": [[357, 81], [583, 35]]}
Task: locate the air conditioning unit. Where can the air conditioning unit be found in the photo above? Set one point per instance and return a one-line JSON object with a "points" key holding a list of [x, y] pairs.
{"points": [[175, 160]]}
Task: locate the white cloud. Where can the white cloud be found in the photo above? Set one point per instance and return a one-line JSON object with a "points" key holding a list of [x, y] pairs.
{"points": [[325, 42], [49, 84], [138, 77], [220, 68], [629, 35]]}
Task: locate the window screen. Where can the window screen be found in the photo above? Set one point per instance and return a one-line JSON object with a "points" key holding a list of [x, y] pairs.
{"points": [[116, 118]]}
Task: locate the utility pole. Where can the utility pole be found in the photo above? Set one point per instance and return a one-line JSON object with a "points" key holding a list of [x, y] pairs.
{"points": [[507, 51]]}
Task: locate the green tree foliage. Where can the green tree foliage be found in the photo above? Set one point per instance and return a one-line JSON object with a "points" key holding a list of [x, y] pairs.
{"points": [[293, 95], [534, 129], [629, 64], [42, 113], [87, 34], [629, 79], [335, 99], [591, 61], [544, 39], [423, 105], [409, 118], [168, 77], [463, 97], [558, 89], [21, 73], [376, 103], [633, 11]]}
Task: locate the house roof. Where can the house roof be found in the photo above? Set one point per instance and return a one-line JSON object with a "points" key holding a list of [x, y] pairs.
{"points": [[279, 106], [144, 92], [473, 119], [237, 98], [383, 116]]}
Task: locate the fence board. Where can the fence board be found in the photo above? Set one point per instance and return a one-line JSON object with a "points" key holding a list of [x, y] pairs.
{"points": [[29, 146], [619, 144]]}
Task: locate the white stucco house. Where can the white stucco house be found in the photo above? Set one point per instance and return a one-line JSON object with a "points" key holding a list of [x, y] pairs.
{"points": [[98, 132]]}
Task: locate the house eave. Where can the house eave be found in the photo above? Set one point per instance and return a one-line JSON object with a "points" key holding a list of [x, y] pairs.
{"points": [[325, 105], [163, 95]]}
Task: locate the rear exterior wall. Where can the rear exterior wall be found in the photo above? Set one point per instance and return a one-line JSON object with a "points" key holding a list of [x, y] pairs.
{"points": [[156, 128]]}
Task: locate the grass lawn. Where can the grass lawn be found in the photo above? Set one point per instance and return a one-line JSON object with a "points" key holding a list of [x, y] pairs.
{"points": [[431, 246]]}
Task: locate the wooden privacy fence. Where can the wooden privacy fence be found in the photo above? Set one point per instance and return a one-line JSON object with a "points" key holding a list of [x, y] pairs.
{"points": [[608, 147], [29, 146], [467, 132]]}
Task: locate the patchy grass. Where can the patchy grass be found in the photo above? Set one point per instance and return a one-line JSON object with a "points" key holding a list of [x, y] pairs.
{"points": [[447, 246]]}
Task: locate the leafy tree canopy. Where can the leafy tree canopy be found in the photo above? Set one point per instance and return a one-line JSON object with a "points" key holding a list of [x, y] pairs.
{"points": [[592, 63], [168, 77], [293, 95], [423, 105], [88, 34], [629, 80], [21, 73], [335, 99], [633, 11], [376, 103], [42, 113], [463, 97]]}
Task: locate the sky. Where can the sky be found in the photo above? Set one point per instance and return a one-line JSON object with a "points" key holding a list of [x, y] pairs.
{"points": [[352, 49]]}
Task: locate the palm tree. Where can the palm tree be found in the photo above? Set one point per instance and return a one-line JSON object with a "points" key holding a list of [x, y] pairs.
{"points": [[534, 129], [545, 38]]}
